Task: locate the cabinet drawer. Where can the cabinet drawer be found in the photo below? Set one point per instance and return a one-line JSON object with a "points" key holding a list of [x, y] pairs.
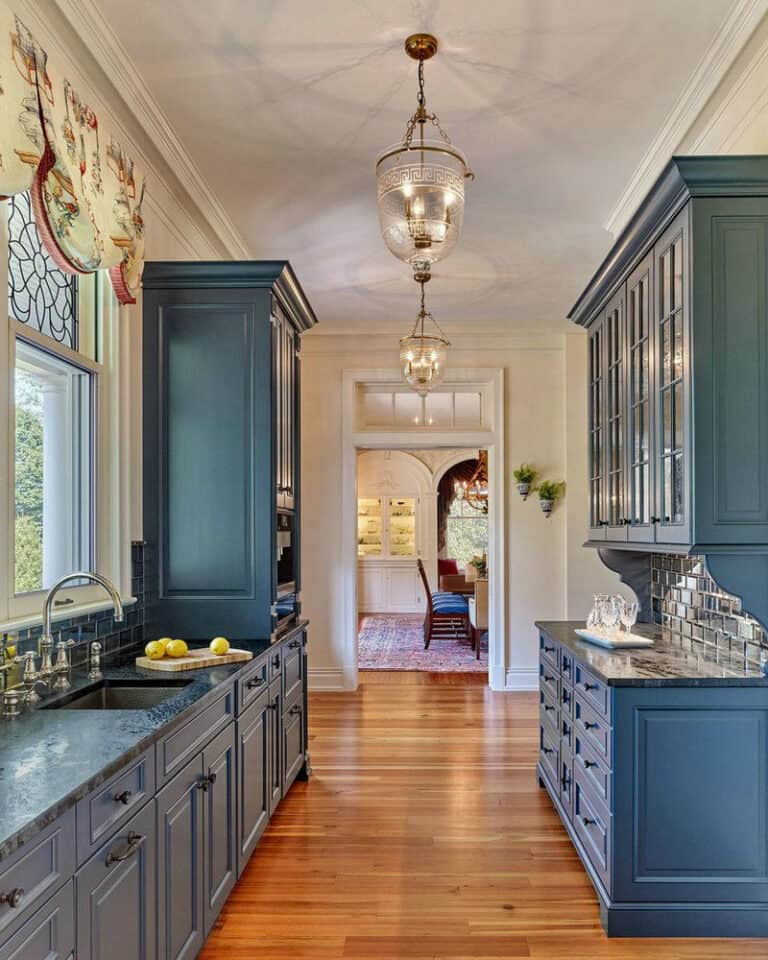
{"points": [[293, 744], [549, 651], [548, 753], [252, 683], [593, 691], [548, 680], [548, 708], [566, 668], [293, 671], [49, 934], [594, 774], [592, 825], [275, 661], [36, 870], [110, 805], [593, 728], [188, 739], [566, 699]]}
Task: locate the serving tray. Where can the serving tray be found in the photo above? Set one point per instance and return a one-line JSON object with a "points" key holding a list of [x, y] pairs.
{"points": [[622, 642]]}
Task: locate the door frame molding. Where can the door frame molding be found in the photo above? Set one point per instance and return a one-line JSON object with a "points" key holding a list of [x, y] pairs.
{"points": [[490, 436]]}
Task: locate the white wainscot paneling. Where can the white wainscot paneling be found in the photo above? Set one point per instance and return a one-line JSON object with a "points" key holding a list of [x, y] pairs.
{"points": [[389, 586]]}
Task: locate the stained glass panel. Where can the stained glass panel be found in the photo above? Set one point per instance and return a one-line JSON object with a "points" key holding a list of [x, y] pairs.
{"points": [[39, 293]]}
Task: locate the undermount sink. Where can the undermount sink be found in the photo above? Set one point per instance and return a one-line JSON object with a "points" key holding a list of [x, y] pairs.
{"points": [[119, 695]]}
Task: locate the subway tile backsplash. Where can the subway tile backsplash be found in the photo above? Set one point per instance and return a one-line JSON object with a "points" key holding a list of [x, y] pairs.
{"points": [[690, 605], [114, 637]]}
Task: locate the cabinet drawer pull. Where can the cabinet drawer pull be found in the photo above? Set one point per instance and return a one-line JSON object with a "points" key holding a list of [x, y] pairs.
{"points": [[294, 710], [135, 840], [254, 682], [566, 781], [547, 750], [548, 649], [655, 519], [549, 678], [272, 706], [588, 725], [207, 781], [13, 897], [123, 797], [566, 666], [276, 662], [588, 821], [294, 644], [590, 686], [588, 764], [548, 707]]}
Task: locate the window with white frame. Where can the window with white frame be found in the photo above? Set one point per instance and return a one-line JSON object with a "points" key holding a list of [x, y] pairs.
{"points": [[58, 462]]}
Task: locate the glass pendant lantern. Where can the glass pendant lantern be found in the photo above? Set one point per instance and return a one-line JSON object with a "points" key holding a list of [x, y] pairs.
{"points": [[420, 181], [424, 352]]}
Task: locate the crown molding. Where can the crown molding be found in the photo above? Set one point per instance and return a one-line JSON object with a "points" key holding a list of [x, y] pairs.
{"points": [[85, 18], [743, 19]]}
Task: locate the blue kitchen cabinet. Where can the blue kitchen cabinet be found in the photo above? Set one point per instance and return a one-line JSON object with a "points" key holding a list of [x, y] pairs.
{"points": [[663, 790], [117, 895], [253, 793], [219, 823]]}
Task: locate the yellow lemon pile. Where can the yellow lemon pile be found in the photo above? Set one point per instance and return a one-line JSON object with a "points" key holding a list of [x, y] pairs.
{"points": [[165, 647]]}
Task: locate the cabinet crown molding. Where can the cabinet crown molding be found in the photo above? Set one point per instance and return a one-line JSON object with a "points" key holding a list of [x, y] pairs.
{"points": [[682, 179]]}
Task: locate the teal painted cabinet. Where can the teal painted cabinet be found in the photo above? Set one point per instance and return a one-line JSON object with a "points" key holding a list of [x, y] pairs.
{"points": [[663, 791], [221, 447], [253, 793], [220, 826]]}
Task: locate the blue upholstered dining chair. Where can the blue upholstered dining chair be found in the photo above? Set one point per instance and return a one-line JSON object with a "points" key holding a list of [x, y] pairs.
{"points": [[447, 613]]}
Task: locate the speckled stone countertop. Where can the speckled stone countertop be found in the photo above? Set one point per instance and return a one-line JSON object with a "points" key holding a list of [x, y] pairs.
{"points": [[51, 758], [666, 664]]}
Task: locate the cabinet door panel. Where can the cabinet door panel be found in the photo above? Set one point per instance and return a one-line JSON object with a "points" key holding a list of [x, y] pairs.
{"points": [[597, 519], [275, 742], [641, 475], [220, 834], [614, 511], [180, 858], [293, 743], [672, 384], [116, 895], [253, 777], [49, 934]]}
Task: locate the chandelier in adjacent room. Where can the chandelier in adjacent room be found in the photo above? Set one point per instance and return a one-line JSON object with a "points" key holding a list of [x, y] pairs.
{"points": [[424, 351], [421, 181], [475, 490]]}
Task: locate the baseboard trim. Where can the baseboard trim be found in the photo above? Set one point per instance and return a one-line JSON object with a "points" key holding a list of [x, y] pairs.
{"points": [[327, 680], [522, 678]]}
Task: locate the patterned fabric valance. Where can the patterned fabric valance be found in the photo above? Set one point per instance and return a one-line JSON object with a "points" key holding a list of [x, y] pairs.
{"points": [[86, 192]]}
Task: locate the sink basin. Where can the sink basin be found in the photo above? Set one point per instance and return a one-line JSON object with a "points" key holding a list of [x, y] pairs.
{"points": [[119, 695]]}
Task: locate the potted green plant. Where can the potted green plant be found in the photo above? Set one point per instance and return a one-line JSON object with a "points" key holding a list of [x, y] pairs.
{"points": [[549, 492], [524, 475], [480, 564]]}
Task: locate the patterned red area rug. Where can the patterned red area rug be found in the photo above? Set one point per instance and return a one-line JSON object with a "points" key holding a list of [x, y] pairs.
{"points": [[396, 642]]}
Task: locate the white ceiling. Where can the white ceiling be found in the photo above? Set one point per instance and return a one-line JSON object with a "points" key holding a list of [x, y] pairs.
{"points": [[284, 105]]}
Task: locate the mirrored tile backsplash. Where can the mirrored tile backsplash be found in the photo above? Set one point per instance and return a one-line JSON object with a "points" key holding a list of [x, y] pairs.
{"points": [[688, 603]]}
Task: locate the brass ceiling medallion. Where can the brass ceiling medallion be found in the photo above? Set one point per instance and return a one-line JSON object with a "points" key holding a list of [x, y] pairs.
{"points": [[421, 46], [420, 180]]}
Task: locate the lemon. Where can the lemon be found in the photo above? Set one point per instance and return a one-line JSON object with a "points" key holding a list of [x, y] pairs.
{"points": [[176, 648], [10, 652], [219, 646], [155, 650], [165, 641]]}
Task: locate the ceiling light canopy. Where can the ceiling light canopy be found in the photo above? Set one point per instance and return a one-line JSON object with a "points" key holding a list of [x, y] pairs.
{"points": [[421, 181], [423, 353]]}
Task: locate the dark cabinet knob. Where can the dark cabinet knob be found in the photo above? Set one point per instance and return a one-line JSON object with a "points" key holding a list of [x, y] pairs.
{"points": [[254, 682], [549, 678], [294, 710], [667, 519], [627, 522], [588, 764], [566, 666], [566, 781], [588, 821], [589, 686], [548, 649], [655, 519], [276, 662], [13, 897], [207, 781], [294, 644], [123, 797], [547, 707], [547, 750], [590, 726]]}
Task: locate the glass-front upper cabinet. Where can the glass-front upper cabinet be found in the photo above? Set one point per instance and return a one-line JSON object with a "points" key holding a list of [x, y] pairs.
{"points": [[370, 537], [615, 515], [640, 474], [402, 527], [596, 430], [672, 384]]}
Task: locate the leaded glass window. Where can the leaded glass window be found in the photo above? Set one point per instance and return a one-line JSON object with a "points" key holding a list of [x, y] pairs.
{"points": [[39, 293]]}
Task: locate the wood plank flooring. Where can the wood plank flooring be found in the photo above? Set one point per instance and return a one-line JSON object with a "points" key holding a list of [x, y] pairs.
{"points": [[423, 835]]}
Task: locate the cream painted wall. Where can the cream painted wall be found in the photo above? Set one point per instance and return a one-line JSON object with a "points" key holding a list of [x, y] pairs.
{"points": [[550, 576]]}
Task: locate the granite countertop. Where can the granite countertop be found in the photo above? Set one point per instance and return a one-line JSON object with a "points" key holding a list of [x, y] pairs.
{"points": [[668, 663], [50, 758]]}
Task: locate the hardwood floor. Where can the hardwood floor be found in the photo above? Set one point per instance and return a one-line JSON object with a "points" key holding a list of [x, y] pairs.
{"points": [[423, 835]]}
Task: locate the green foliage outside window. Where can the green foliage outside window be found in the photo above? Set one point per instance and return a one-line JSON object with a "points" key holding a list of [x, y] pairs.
{"points": [[466, 533], [29, 483]]}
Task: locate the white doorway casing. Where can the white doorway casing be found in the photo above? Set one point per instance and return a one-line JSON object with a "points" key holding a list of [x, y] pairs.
{"points": [[489, 434]]}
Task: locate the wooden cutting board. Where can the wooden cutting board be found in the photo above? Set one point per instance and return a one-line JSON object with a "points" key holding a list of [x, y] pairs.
{"points": [[194, 660]]}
